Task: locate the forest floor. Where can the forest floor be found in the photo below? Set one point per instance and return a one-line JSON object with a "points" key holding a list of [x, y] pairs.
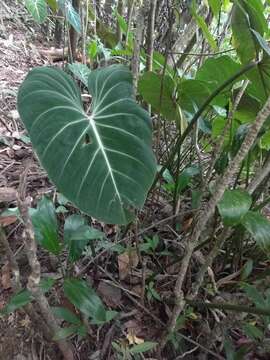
{"points": [[18, 54], [19, 340], [118, 278]]}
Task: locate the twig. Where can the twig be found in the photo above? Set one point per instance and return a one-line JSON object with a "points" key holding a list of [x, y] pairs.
{"points": [[140, 20], [34, 277], [12, 261], [103, 252], [259, 177], [150, 35], [131, 295], [217, 149], [205, 214], [181, 138], [201, 54], [229, 307], [208, 262]]}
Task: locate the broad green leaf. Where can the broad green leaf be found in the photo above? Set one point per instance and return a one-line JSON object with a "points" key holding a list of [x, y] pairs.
{"points": [[77, 235], [254, 295], [259, 227], [17, 301], [24, 297], [53, 5], [144, 347], [260, 80], [158, 93], [101, 160], [185, 177], [215, 70], [109, 315], [46, 284], [192, 94], [93, 49], [84, 298], [215, 6], [80, 71], [121, 22], [265, 141], [66, 332], [38, 9], [247, 109], [262, 42], [253, 331], [45, 225], [204, 27], [66, 314], [247, 269], [233, 206], [71, 14], [247, 15]]}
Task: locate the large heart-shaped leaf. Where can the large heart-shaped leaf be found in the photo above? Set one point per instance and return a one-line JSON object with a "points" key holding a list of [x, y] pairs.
{"points": [[100, 159], [71, 14], [38, 9]]}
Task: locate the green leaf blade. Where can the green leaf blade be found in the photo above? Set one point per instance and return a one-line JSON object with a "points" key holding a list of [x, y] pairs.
{"points": [[45, 226], [77, 235], [38, 10], [259, 227], [84, 298], [101, 161], [233, 206]]}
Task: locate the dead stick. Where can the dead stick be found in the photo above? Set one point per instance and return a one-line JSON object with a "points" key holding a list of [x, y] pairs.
{"points": [[34, 277]]}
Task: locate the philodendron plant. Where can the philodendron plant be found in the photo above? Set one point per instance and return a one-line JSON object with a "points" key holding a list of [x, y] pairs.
{"points": [[100, 158]]}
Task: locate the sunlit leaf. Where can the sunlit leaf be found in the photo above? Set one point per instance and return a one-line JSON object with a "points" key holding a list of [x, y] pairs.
{"points": [[259, 227], [205, 29], [247, 15], [80, 71], [215, 6], [38, 9], [71, 14], [45, 225], [234, 205], [142, 348]]}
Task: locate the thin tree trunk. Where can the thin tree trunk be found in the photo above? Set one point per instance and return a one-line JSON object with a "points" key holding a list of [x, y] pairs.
{"points": [[140, 24], [205, 214], [73, 35], [151, 35], [120, 12]]}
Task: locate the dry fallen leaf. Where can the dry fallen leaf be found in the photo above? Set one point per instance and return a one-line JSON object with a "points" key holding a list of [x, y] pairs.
{"points": [[110, 294], [7, 194], [134, 340], [134, 331], [126, 262], [5, 276], [7, 220]]}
